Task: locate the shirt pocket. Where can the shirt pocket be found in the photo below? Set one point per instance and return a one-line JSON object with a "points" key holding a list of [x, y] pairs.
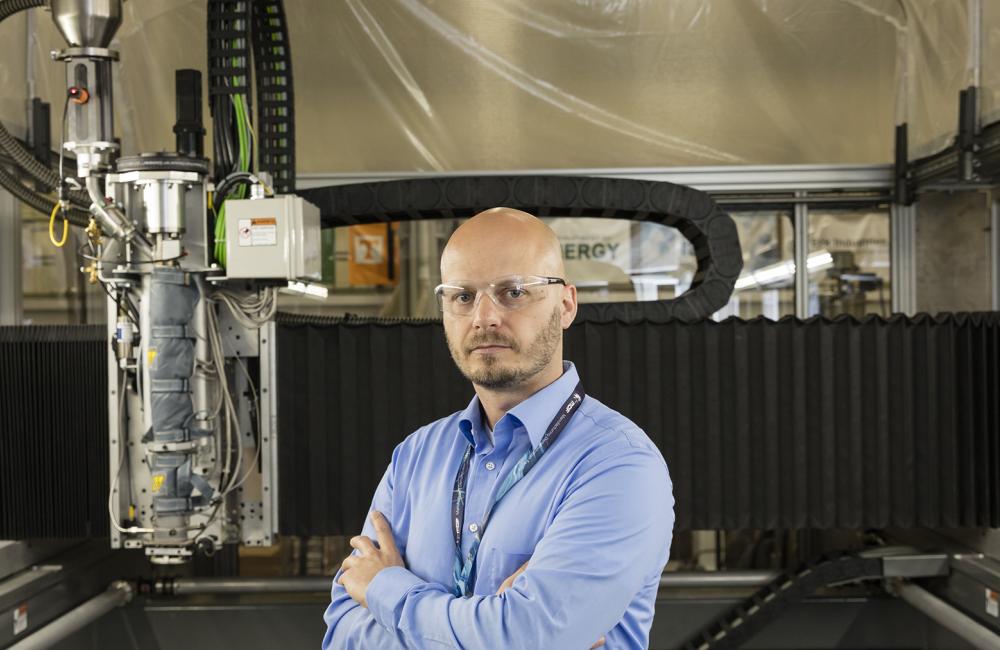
{"points": [[497, 565]]}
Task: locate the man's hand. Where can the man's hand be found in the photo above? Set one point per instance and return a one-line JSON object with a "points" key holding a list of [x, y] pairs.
{"points": [[506, 584], [360, 570]]}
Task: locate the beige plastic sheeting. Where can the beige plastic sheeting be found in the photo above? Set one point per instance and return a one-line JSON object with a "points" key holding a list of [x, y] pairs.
{"points": [[533, 84]]}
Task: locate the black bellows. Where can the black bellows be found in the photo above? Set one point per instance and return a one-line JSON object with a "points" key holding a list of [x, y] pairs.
{"points": [[789, 424], [53, 431]]}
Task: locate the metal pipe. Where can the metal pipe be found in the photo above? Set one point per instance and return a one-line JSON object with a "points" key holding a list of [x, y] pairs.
{"points": [[938, 610], [975, 8], [11, 287], [118, 593], [112, 225], [29, 69], [297, 584], [801, 249], [314, 584], [770, 199], [995, 254], [116, 223], [716, 579]]}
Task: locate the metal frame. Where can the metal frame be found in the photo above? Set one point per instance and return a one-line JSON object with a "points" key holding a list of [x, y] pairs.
{"points": [[995, 254], [118, 594], [11, 287], [114, 423], [269, 428], [801, 252], [749, 178], [902, 258], [949, 617], [767, 185]]}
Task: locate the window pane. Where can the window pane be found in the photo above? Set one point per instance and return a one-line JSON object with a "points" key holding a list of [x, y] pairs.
{"points": [[617, 260], [610, 260], [766, 285], [849, 262]]}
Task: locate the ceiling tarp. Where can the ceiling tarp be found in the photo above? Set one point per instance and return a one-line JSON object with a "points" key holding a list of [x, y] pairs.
{"points": [[540, 84]]}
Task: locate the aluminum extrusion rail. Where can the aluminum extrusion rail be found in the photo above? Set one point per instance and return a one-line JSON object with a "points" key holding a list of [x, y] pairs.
{"points": [[949, 617], [118, 593]]}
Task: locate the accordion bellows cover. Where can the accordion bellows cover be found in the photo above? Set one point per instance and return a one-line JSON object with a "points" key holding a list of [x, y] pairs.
{"points": [[788, 424]]}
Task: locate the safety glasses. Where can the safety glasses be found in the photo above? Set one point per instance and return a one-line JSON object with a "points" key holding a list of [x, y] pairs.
{"points": [[508, 293]]}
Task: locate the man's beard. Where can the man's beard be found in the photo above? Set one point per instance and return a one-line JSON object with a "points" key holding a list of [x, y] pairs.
{"points": [[492, 373]]}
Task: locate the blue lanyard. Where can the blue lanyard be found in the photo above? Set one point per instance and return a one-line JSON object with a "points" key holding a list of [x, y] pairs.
{"points": [[465, 568]]}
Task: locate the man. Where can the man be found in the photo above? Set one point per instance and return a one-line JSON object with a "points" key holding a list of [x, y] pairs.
{"points": [[561, 507]]}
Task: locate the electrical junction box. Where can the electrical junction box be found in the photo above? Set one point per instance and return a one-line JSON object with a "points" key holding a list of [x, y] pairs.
{"points": [[277, 237]]}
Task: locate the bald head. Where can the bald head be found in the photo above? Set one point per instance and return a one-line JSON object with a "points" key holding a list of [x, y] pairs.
{"points": [[499, 242]]}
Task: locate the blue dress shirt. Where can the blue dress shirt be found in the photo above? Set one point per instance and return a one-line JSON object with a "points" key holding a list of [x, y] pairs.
{"points": [[594, 516]]}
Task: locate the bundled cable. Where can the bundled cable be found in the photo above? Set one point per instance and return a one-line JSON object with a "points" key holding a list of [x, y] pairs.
{"points": [[229, 93], [251, 311]]}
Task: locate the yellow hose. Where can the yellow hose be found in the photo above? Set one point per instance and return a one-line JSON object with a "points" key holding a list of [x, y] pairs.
{"points": [[52, 227]]}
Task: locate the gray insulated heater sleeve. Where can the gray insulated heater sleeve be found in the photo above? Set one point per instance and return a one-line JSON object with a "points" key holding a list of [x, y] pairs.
{"points": [[172, 300]]}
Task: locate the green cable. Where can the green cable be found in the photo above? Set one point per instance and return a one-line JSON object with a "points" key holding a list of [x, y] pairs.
{"points": [[242, 164], [220, 236]]}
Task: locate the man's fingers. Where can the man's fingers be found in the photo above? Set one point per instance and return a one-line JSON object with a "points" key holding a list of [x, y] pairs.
{"points": [[599, 643], [383, 532], [505, 585], [509, 582], [348, 562], [363, 544]]}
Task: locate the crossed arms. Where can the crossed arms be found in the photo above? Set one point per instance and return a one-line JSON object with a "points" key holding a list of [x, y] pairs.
{"points": [[599, 552]]}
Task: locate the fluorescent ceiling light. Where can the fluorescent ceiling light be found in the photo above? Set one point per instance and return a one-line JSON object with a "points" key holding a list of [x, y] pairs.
{"points": [[783, 271]]}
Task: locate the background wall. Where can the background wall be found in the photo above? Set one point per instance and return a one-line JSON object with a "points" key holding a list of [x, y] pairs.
{"points": [[953, 252]]}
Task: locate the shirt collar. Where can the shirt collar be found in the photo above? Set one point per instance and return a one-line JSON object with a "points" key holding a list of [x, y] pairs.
{"points": [[534, 414], [470, 423]]}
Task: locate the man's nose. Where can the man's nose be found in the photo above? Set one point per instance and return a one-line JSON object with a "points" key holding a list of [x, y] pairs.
{"points": [[485, 313]]}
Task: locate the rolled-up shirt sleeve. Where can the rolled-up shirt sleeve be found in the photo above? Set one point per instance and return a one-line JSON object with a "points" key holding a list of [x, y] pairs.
{"points": [[610, 536]]}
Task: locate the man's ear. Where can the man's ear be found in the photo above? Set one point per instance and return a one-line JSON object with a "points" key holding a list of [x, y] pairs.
{"points": [[568, 305]]}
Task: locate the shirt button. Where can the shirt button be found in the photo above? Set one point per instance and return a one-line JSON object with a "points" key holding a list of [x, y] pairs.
{"points": [[491, 466], [473, 528]]}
